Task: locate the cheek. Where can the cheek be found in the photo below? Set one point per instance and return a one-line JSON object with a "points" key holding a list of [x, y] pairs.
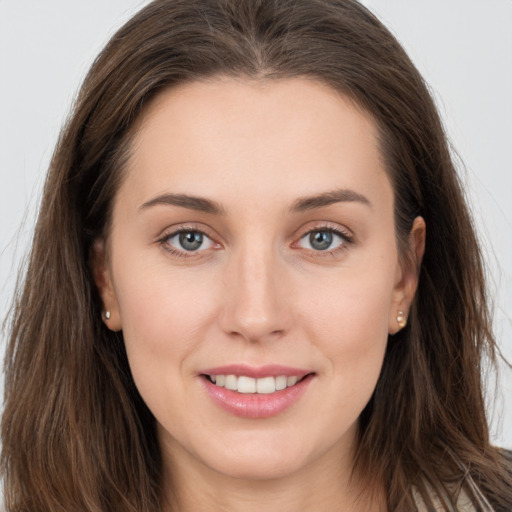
{"points": [[351, 305], [163, 315], [347, 317], [351, 334]]}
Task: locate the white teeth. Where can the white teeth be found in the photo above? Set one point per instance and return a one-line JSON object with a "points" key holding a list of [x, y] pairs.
{"points": [[291, 381], [246, 385], [281, 382], [231, 382], [266, 385], [243, 384]]}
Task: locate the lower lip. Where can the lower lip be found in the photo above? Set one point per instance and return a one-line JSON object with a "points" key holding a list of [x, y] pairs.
{"points": [[255, 405]]}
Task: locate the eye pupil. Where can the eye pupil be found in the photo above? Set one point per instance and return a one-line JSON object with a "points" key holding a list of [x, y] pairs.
{"points": [[190, 240], [320, 240]]}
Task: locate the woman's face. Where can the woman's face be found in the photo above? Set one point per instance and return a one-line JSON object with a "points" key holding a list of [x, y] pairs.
{"points": [[253, 244]]}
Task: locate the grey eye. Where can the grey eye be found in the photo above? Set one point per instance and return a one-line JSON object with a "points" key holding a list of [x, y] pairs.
{"points": [[323, 239], [191, 240], [320, 240]]}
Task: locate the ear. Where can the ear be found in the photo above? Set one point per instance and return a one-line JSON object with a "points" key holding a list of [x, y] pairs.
{"points": [[103, 279], [407, 277]]}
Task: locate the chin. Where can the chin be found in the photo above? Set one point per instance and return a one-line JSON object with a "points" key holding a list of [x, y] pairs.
{"points": [[257, 470], [266, 461]]}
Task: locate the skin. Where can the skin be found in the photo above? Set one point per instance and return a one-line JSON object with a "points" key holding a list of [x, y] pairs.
{"points": [[257, 292]]}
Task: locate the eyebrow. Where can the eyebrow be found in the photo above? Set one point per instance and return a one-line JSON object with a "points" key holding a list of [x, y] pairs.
{"points": [[328, 198], [202, 204], [185, 201]]}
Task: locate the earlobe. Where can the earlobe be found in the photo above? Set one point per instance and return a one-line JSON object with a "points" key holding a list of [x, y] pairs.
{"points": [[409, 275], [103, 280]]}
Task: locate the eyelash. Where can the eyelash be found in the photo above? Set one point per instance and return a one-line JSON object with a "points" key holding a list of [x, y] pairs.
{"points": [[347, 239], [164, 242]]}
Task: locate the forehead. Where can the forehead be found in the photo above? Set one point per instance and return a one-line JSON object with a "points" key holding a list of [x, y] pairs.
{"points": [[269, 138]]}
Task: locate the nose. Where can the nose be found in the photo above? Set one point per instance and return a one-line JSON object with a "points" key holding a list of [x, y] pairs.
{"points": [[255, 306]]}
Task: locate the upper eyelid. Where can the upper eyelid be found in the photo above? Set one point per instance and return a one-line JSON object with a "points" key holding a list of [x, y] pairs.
{"points": [[323, 226], [184, 228], [193, 229], [329, 229]]}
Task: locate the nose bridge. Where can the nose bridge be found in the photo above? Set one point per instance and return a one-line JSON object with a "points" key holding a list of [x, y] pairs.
{"points": [[254, 307]]}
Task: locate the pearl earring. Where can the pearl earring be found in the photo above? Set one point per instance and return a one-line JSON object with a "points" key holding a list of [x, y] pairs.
{"points": [[107, 315], [400, 318]]}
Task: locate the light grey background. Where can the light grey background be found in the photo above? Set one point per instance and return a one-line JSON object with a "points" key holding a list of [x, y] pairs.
{"points": [[462, 47]]}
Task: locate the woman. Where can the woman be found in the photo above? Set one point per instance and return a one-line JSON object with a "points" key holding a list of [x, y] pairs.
{"points": [[254, 280]]}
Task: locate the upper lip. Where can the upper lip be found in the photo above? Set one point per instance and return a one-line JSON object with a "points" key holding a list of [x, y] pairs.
{"points": [[256, 372]]}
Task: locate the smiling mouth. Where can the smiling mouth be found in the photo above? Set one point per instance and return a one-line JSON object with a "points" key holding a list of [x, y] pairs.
{"points": [[249, 385]]}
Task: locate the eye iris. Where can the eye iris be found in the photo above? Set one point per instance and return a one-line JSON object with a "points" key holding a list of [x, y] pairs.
{"points": [[320, 240], [191, 241]]}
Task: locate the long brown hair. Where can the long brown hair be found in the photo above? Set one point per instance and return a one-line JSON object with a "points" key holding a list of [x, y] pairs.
{"points": [[76, 435]]}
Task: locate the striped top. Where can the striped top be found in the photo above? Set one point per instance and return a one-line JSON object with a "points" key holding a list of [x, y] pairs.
{"points": [[464, 503]]}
